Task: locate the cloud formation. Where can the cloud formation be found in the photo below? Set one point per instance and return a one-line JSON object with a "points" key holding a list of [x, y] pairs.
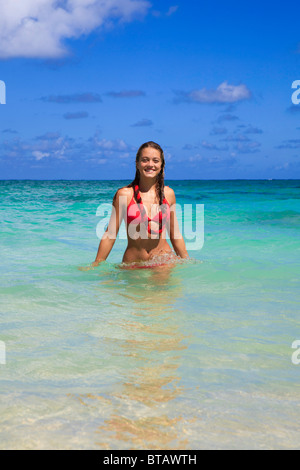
{"points": [[218, 131], [38, 29], [294, 109], [247, 147], [289, 144], [224, 93], [213, 162], [170, 11], [242, 143], [236, 138], [9, 131], [227, 117], [143, 123], [253, 130], [75, 98], [210, 146], [78, 115], [58, 147], [126, 94]]}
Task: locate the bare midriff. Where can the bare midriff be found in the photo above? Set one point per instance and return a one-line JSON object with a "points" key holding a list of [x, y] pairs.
{"points": [[144, 250]]}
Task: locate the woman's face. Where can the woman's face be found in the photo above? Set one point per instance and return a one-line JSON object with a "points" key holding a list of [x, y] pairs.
{"points": [[149, 163]]}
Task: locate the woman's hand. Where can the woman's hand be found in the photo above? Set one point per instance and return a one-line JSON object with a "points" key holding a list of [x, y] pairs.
{"points": [[91, 266]]}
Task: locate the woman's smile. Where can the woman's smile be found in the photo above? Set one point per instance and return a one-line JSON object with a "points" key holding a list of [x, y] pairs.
{"points": [[150, 162]]}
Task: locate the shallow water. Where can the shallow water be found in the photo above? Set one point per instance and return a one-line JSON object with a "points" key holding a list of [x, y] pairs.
{"points": [[195, 355]]}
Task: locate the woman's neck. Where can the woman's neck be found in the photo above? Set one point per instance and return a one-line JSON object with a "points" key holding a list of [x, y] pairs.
{"points": [[147, 186]]}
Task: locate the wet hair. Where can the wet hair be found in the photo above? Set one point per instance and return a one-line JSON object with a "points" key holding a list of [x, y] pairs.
{"points": [[160, 183]]}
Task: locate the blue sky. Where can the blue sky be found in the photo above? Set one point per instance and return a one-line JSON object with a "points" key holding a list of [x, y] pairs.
{"points": [[88, 81]]}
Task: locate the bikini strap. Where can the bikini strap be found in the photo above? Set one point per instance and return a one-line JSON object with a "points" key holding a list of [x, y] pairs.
{"points": [[139, 201]]}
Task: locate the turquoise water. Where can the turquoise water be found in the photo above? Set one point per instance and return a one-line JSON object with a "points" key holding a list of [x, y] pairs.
{"points": [[197, 356]]}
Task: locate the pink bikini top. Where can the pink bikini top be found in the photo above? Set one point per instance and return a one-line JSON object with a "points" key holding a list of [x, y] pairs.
{"points": [[139, 215]]}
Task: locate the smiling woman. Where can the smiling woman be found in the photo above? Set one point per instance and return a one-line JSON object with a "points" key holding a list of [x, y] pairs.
{"points": [[145, 195]]}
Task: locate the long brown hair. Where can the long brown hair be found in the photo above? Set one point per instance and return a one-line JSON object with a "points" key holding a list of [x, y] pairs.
{"points": [[160, 183]]}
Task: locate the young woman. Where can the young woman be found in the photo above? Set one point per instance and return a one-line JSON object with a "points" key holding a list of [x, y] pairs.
{"points": [[148, 208]]}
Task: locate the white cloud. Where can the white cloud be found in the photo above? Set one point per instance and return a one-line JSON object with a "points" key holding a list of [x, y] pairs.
{"points": [[224, 93], [172, 10], [117, 145], [38, 28], [39, 155]]}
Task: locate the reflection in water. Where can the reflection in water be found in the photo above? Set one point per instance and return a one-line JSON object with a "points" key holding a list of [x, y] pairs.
{"points": [[144, 411]]}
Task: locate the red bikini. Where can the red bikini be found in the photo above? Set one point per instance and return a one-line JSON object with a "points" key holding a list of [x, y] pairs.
{"points": [[138, 214]]}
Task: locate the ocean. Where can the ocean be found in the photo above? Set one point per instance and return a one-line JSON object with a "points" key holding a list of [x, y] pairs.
{"points": [[199, 356]]}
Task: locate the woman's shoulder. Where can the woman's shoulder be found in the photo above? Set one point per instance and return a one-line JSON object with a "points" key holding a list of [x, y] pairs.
{"points": [[170, 195], [125, 192]]}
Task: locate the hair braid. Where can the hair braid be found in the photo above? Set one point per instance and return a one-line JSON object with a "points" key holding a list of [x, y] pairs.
{"points": [[160, 186], [160, 183]]}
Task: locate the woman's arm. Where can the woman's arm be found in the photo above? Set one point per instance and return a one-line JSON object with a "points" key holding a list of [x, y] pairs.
{"points": [[109, 237], [110, 234], [173, 228]]}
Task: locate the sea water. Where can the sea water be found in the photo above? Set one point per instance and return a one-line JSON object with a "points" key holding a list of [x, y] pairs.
{"points": [[198, 356]]}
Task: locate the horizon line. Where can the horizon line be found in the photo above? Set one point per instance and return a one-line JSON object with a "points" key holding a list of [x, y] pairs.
{"points": [[167, 179]]}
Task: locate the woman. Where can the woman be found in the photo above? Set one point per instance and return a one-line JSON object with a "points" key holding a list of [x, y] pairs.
{"points": [[148, 208]]}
